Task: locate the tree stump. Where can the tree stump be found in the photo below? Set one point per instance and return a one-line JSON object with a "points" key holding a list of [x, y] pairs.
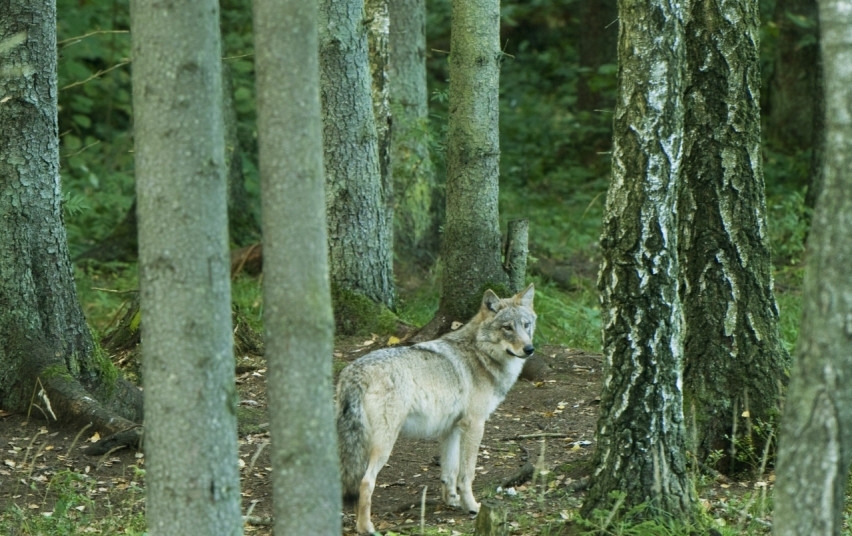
{"points": [[491, 520]]}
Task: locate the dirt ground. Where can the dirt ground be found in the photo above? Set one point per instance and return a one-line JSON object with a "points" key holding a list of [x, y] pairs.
{"points": [[527, 459]]}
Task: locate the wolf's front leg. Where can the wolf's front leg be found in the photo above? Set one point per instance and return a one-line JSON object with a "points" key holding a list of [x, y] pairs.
{"points": [[450, 467], [469, 448]]}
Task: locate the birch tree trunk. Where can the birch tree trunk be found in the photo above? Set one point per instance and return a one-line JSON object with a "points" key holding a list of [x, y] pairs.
{"points": [[640, 433], [359, 232], [45, 340], [297, 315], [184, 270], [734, 358], [815, 446]]}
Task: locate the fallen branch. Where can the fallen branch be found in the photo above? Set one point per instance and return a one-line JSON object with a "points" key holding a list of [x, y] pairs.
{"points": [[538, 435]]}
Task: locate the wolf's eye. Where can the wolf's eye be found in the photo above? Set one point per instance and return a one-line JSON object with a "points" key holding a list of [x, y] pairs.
{"points": [[526, 325], [507, 327]]}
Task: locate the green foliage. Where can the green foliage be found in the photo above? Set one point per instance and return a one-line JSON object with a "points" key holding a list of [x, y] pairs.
{"points": [[94, 117], [568, 318], [102, 290], [75, 510], [247, 299], [643, 520]]}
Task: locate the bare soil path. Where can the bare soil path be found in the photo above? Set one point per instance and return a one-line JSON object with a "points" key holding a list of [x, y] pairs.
{"points": [[534, 448]]}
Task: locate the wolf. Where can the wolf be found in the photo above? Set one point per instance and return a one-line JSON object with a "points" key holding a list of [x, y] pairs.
{"points": [[443, 389]]}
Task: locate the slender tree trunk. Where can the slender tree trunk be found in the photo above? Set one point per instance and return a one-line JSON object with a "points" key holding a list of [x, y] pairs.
{"points": [[734, 358], [815, 446], [471, 241], [795, 83], [640, 435], [190, 398], [297, 318], [360, 234], [378, 42], [243, 227], [596, 46], [416, 198], [45, 340]]}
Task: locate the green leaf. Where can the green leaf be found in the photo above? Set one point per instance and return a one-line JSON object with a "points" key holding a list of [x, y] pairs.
{"points": [[82, 120]]}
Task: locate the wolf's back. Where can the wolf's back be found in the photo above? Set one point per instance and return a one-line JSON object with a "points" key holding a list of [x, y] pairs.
{"points": [[351, 436]]}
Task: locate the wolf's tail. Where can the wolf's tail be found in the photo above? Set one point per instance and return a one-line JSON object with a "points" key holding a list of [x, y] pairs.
{"points": [[352, 438]]}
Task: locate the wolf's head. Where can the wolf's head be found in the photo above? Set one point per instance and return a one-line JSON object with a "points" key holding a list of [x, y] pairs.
{"points": [[508, 323]]}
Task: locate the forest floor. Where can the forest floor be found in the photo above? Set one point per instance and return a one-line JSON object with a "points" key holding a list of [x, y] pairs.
{"points": [[532, 462]]}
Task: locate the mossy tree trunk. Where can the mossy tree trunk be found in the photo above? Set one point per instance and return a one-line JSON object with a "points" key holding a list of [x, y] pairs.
{"points": [[815, 447], [297, 317], [471, 242], [360, 234], [192, 480], [641, 442], [417, 201], [733, 354], [45, 340]]}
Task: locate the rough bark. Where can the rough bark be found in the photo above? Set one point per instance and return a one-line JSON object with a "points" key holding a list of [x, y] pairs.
{"points": [[46, 342], [298, 321], [416, 200], [815, 446], [377, 18], [515, 254], [640, 434], [734, 358], [360, 235], [471, 241], [192, 478]]}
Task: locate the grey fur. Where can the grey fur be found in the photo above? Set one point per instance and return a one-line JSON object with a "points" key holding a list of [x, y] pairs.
{"points": [[443, 389]]}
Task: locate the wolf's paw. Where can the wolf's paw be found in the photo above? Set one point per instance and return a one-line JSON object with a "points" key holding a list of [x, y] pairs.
{"points": [[472, 506], [452, 499], [365, 527]]}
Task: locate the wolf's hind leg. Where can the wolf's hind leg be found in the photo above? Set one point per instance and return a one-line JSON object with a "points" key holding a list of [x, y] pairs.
{"points": [[379, 455], [450, 467]]}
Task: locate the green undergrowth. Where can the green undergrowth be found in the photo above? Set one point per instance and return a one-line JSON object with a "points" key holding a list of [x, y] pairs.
{"points": [[73, 503]]}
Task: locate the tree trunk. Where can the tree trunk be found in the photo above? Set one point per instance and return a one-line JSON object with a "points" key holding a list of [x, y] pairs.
{"points": [[815, 446], [243, 227], [297, 317], [378, 30], [471, 241], [360, 235], [734, 358], [416, 200], [190, 399], [596, 46], [795, 83], [45, 340], [640, 435]]}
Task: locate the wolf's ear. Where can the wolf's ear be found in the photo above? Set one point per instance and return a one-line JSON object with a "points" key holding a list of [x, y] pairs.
{"points": [[525, 297], [490, 301]]}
